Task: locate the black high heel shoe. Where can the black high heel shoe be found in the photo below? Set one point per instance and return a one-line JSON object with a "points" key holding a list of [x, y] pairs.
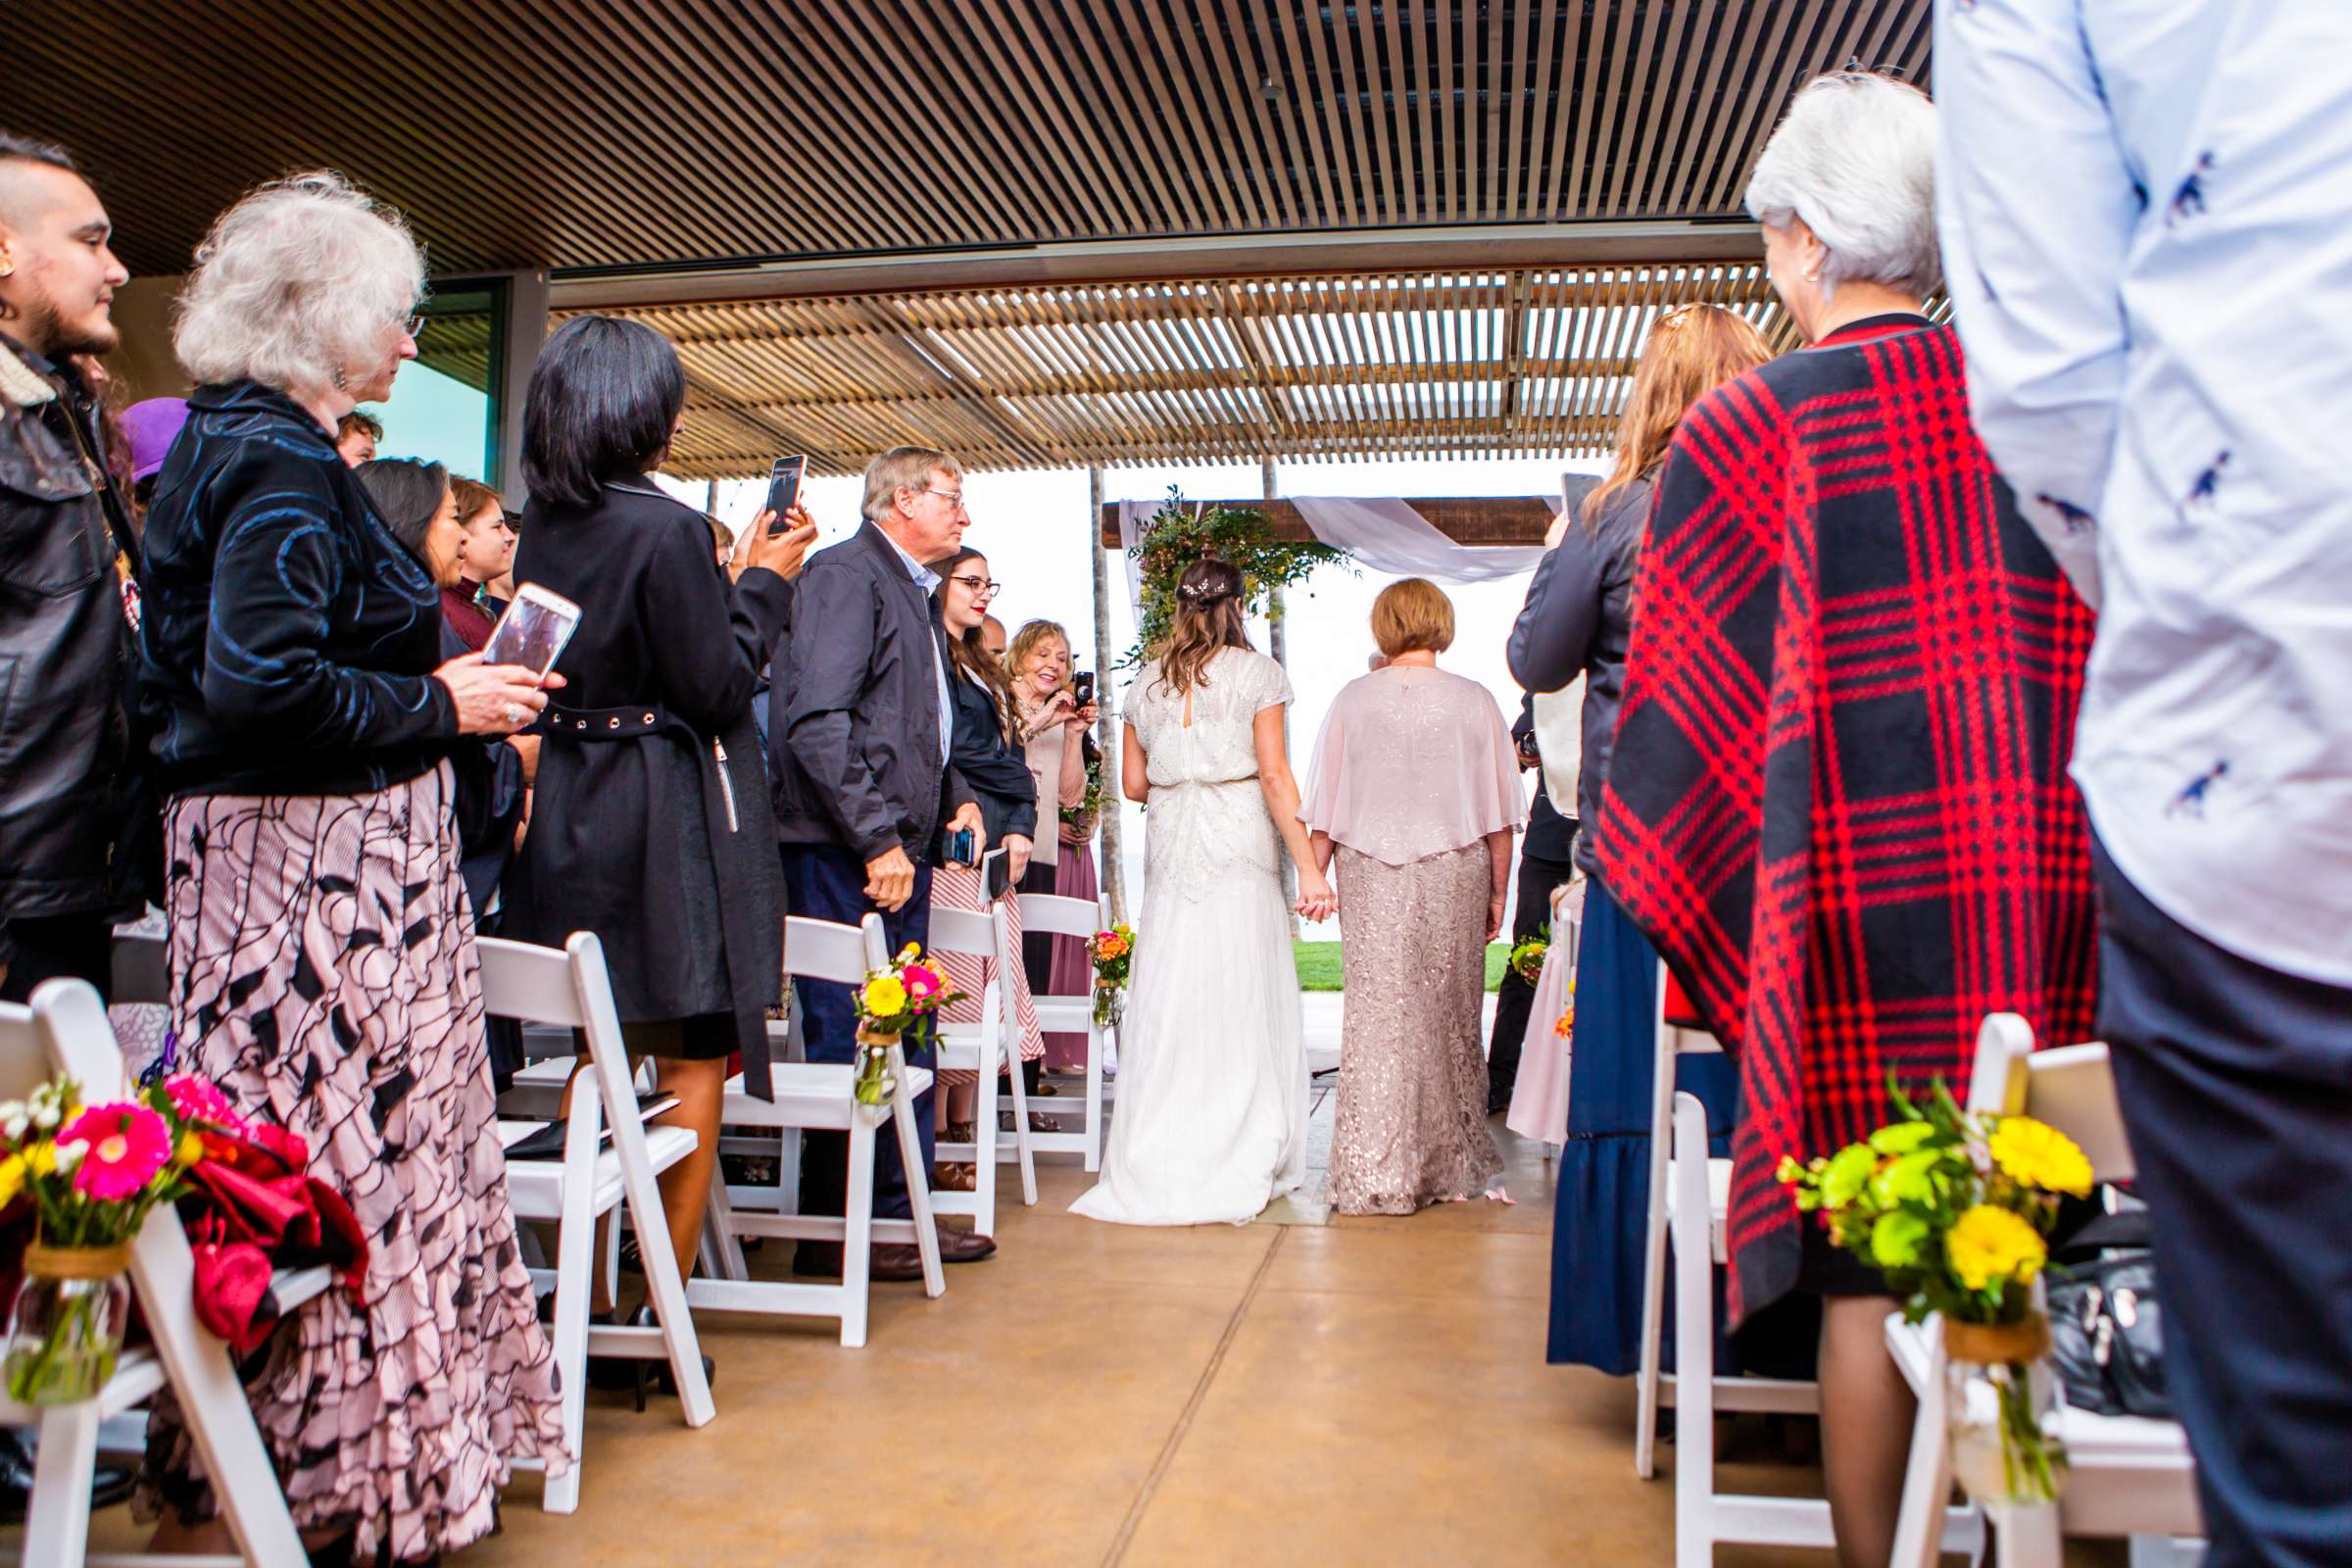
{"points": [[662, 1377]]}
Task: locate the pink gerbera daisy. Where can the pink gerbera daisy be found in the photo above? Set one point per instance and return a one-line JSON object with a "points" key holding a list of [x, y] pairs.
{"points": [[198, 1100], [123, 1146], [921, 983]]}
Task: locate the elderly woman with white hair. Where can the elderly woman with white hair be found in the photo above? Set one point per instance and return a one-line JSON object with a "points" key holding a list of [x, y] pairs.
{"points": [[321, 948], [1837, 803]]}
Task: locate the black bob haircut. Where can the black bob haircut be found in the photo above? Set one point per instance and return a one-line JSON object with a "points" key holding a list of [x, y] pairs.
{"points": [[602, 401], [408, 493]]}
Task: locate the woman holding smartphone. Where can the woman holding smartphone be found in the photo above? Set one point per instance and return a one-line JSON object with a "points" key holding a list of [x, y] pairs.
{"points": [[1054, 725], [650, 823], [983, 753]]}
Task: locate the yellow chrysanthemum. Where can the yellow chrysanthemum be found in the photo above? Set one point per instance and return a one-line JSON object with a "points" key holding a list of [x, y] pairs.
{"points": [[1989, 1243], [2039, 1156], [12, 1179], [885, 998], [41, 1159]]}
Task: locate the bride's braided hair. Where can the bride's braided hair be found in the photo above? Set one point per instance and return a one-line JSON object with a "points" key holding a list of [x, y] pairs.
{"points": [[1209, 618]]}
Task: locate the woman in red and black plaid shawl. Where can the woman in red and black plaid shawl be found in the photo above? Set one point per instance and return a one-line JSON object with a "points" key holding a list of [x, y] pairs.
{"points": [[1838, 802]]}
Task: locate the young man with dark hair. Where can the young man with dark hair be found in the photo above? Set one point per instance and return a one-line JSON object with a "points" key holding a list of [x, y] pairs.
{"points": [[357, 435], [67, 868], [67, 808]]}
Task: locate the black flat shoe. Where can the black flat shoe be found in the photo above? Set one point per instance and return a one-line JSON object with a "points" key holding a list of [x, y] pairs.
{"points": [[110, 1484]]}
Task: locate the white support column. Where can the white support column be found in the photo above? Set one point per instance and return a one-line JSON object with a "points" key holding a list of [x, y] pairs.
{"points": [[1106, 728], [1278, 645]]}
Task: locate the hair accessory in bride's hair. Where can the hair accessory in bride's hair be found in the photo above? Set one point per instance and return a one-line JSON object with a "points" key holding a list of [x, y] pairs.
{"points": [[1201, 592]]}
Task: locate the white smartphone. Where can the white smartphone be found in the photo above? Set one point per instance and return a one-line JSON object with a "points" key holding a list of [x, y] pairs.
{"points": [[538, 622]]}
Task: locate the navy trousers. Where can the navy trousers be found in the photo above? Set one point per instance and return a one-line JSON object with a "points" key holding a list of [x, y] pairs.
{"points": [[824, 883], [2237, 1084]]}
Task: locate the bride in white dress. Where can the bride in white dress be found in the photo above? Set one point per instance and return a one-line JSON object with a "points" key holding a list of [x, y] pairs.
{"points": [[1210, 1124]]}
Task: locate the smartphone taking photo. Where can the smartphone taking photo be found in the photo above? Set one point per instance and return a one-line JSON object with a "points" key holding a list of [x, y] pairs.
{"points": [[1082, 687], [784, 490], [538, 622]]}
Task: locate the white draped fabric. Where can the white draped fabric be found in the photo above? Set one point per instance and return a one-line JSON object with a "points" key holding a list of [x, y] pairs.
{"points": [[1384, 536]]}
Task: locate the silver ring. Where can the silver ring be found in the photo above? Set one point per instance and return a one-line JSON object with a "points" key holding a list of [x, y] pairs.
{"points": [[516, 713]]}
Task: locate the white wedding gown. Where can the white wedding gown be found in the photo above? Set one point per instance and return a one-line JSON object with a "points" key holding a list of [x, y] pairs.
{"points": [[1210, 1120]]}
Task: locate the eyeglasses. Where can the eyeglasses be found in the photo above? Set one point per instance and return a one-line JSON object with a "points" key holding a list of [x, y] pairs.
{"points": [[414, 324], [953, 498], [981, 587]]}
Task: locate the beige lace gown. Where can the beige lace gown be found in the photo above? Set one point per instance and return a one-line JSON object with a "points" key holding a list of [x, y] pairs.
{"points": [[1413, 769]]}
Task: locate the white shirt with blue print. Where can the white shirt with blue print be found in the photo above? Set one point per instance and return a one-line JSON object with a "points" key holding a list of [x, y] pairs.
{"points": [[2146, 218]]}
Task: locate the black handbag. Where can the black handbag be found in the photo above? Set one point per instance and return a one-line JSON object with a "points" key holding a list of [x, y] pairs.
{"points": [[2106, 1328]]}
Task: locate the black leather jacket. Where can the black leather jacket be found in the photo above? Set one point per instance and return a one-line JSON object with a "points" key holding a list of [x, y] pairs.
{"points": [[855, 747], [71, 800], [1579, 615]]}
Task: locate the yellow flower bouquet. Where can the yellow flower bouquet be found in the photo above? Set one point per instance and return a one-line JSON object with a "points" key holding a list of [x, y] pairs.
{"points": [[1955, 1208], [893, 1002]]}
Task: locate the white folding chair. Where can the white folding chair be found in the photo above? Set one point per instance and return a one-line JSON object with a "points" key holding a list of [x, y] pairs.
{"points": [[1654, 1386], [571, 990], [989, 1049], [65, 1031], [823, 1096], [1062, 1012], [2125, 1476]]}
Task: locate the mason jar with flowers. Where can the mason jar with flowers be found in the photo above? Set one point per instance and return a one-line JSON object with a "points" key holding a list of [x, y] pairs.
{"points": [[893, 1003], [1113, 954], [1955, 1208], [91, 1173]]}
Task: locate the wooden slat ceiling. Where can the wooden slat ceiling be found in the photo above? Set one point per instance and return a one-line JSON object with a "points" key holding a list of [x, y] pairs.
{"points": [[633, 137], [628, 133], [1468, 364]]}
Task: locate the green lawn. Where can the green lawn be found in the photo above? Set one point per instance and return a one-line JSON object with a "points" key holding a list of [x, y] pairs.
{"points": [[1319, 965]]}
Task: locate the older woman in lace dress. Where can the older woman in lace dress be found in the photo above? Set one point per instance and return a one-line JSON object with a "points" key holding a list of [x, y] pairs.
{"points": [[1415, 793]]}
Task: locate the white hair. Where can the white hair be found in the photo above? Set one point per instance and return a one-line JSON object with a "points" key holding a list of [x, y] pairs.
{"points": [[902, 468], [1855, 158], [298, 281]]}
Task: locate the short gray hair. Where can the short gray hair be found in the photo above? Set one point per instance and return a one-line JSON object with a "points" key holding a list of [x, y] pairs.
{"points": [[903, 467], [299, 279], [1855, 158]]}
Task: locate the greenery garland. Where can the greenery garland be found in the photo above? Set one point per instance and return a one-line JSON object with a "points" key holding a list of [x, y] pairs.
{"points": [[1179, 534]]}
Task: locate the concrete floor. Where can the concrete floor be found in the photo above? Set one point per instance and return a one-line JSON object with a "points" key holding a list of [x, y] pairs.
{"points": [[1355, 1392]]}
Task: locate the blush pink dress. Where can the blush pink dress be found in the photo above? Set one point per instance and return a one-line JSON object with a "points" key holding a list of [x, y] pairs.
{"points": [[1413, 769]]}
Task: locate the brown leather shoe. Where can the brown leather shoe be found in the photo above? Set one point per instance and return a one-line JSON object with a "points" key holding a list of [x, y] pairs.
{"points": [[962, 1247], [896, 1262]]}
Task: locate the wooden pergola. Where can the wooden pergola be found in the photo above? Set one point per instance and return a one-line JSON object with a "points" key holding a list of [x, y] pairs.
{"points": [[1039, 232]]}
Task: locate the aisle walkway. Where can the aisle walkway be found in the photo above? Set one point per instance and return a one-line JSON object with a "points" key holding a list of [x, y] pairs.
{"points": [[1367, 1391]]}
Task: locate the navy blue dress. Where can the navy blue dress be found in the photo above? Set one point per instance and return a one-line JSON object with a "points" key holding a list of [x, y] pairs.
{"points": [[1603, 1201]]}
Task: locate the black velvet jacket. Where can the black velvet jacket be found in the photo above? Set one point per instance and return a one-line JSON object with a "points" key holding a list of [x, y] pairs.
{"points": [[288, 640]]}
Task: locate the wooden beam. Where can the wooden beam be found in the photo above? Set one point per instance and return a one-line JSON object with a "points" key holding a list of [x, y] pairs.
{"points": [[1479, 246], [1466, 520]]}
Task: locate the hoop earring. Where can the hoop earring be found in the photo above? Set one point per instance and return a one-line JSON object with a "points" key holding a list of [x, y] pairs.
{"points": [[8, 269], [340, 380]]}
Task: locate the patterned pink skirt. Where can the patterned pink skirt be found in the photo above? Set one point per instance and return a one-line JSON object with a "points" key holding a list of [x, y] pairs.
{"points": [[324, 973], [958, 888]]}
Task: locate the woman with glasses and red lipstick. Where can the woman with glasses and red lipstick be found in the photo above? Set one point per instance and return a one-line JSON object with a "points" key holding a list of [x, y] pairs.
{"points": [[982, 697]]}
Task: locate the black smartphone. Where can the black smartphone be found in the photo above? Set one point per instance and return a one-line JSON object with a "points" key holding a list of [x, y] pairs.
{"points": [[1082, 687], [784, 489], [955, 847]]}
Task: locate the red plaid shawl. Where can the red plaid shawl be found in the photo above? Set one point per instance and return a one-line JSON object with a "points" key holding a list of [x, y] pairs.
{"points": [[1838, 802]]}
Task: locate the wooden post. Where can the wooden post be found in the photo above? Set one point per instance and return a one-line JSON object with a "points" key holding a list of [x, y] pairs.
{"points": [[1278, 643], [1107, 729]]}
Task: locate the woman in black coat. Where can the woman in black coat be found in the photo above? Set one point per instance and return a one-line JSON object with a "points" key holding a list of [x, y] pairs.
{"points": [[981, 753], [650, 821]]}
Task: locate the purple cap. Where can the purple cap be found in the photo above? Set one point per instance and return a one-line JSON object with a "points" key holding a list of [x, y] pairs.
{"points": [[151, 426]]}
